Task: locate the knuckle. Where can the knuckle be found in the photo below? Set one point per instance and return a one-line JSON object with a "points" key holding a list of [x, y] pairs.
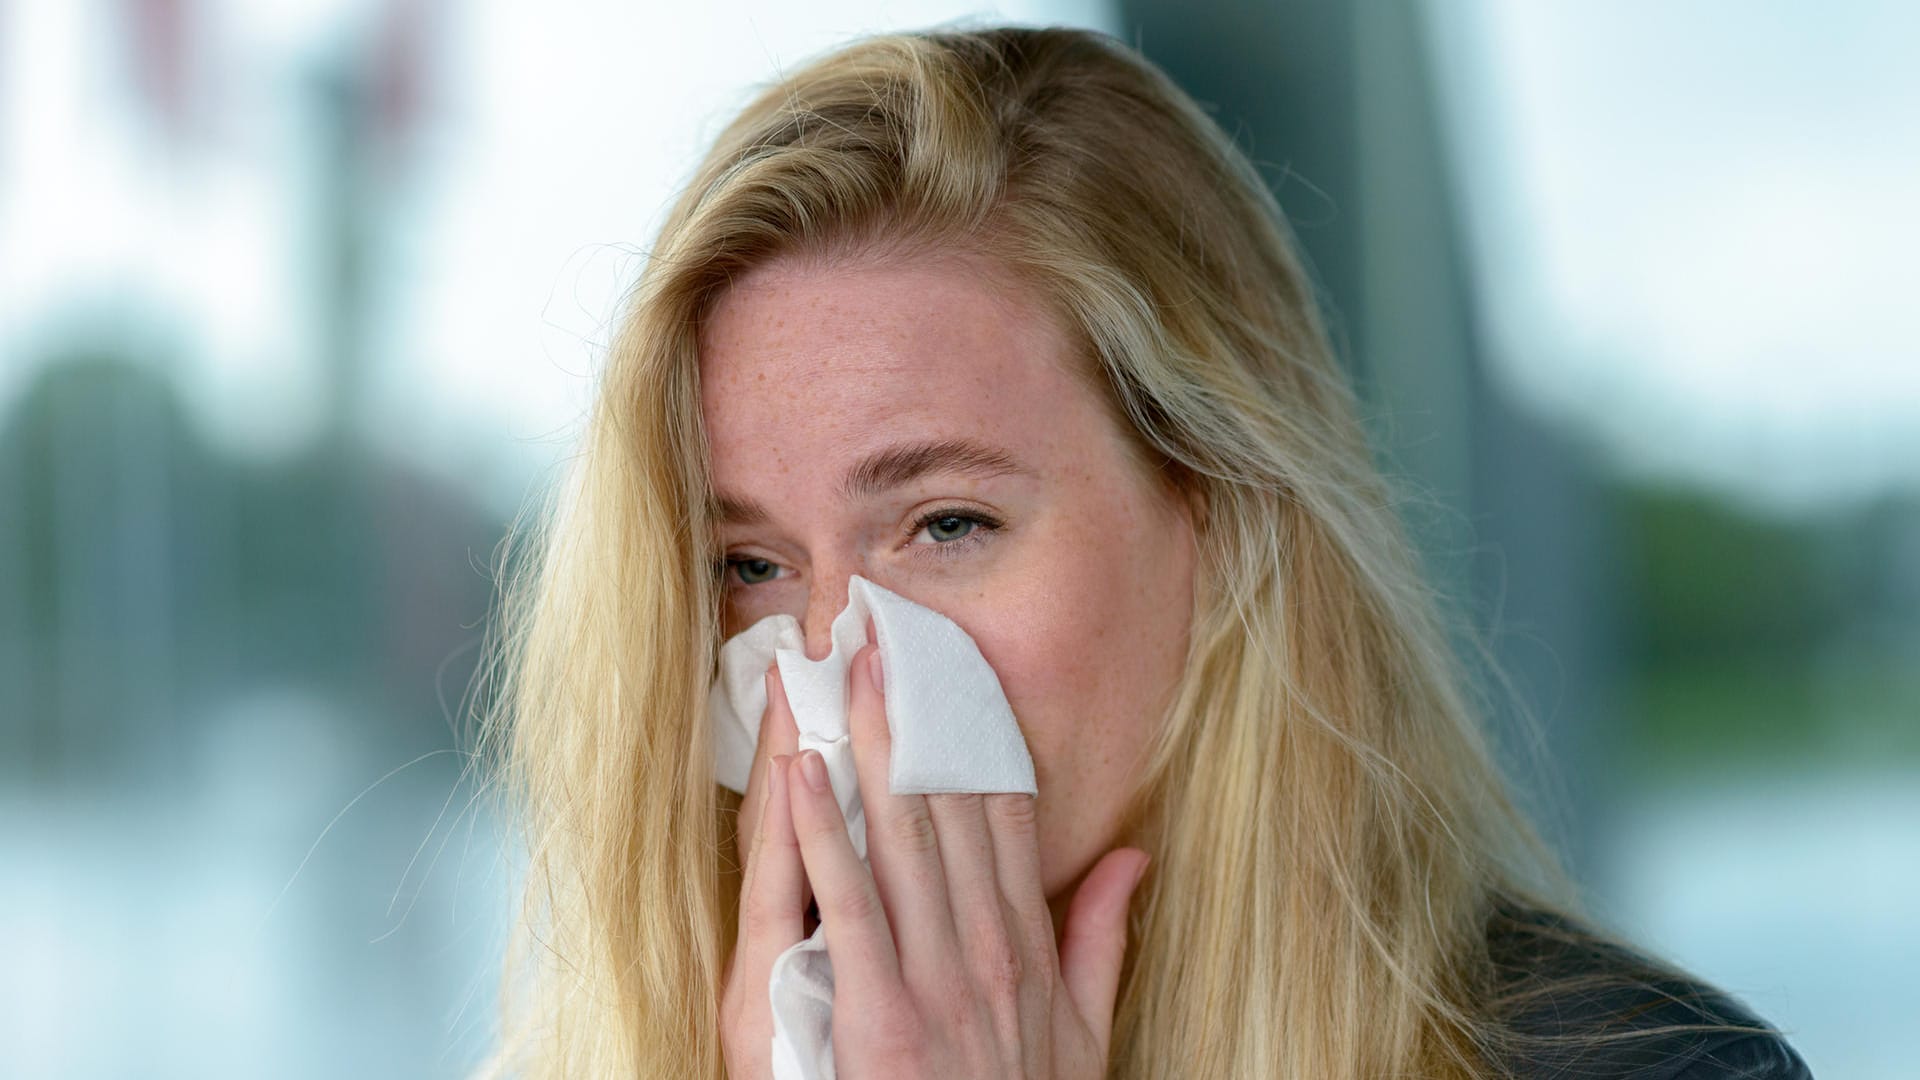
{"points": [[858, 902], [999, 967], [911, 830], [1016, 810], [894, 1031], [821, 828], [960, 1011], [756, 917], [754, 866], [958, 806], [953, 990], [950, 1003], [943, 990]]}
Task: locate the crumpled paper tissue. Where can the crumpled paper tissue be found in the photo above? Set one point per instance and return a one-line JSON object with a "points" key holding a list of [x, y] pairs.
{"points": [[952, 731]]}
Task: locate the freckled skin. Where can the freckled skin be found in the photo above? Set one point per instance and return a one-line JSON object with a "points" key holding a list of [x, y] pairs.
{"points": [[1081, 602]]}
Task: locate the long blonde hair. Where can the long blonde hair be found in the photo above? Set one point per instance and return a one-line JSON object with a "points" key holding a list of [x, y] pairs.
{"points": [[1329, 829]]}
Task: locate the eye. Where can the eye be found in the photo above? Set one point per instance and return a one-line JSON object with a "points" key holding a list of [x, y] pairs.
{"points": [[954, 529], [953, 524], [748, 571]]}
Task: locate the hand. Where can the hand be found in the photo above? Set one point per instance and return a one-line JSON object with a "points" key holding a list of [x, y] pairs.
{"points": [[944, 955], [773, 892]]}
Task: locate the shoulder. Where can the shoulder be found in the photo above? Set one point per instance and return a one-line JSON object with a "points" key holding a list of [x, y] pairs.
{"points": [[1576, 1004]]}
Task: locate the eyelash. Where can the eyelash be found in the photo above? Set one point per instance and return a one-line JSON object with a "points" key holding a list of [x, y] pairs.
{"points": [[984, 525]]}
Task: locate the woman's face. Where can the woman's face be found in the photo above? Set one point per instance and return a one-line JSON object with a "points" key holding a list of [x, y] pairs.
{"points": [[916, 422]]}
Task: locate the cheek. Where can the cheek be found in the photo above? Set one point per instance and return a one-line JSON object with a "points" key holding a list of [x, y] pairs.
{"points": [[1087, 637], [1064, 663], [1084, 630]]}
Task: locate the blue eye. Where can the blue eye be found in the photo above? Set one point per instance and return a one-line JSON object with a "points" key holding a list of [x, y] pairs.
{"points": [[936, 526], [954, 529], [748, 571]]}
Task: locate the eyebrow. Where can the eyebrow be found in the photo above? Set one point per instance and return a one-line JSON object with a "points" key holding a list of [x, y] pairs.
{"points": [[888, 469]]}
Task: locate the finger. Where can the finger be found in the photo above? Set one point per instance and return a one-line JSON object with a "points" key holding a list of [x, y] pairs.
{"points": [[786, 733], [901, 842], [858, 938], [754, 801], [1094, 944], [966, 860], [1014, 847], [778, 735], [994, 951], [773, 895], [1012, 823]]}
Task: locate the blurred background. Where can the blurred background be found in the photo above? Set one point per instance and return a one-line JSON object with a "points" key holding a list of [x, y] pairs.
{"points": [[300, 302]]}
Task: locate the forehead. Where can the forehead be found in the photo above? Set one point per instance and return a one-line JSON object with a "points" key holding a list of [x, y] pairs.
{"points": [[823, 357]]}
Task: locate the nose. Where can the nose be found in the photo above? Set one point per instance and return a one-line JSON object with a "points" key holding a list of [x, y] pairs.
{"points": [[825, 599]]}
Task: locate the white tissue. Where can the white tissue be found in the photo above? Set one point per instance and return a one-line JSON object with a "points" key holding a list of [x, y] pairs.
{"points": [[952, 731]]}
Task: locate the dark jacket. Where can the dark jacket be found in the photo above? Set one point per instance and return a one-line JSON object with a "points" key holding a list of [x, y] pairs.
{"points": [[1617, 990]]}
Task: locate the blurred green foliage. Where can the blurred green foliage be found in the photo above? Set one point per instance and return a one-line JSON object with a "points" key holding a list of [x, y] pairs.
{"points": [[1753, 639]]}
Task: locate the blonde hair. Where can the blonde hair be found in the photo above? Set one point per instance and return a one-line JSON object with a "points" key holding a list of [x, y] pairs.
{"points": [[1330, 831]]}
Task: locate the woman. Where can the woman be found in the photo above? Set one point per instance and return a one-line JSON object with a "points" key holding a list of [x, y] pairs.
{"points": [[1001, 321]]}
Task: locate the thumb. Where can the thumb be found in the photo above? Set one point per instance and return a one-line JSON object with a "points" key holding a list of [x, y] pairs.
{"points": [[1093, 945]]}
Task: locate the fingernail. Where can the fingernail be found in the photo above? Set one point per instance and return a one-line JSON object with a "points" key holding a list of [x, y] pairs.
{"points": [[813, 769], [873, 670], [1142, 872]]}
